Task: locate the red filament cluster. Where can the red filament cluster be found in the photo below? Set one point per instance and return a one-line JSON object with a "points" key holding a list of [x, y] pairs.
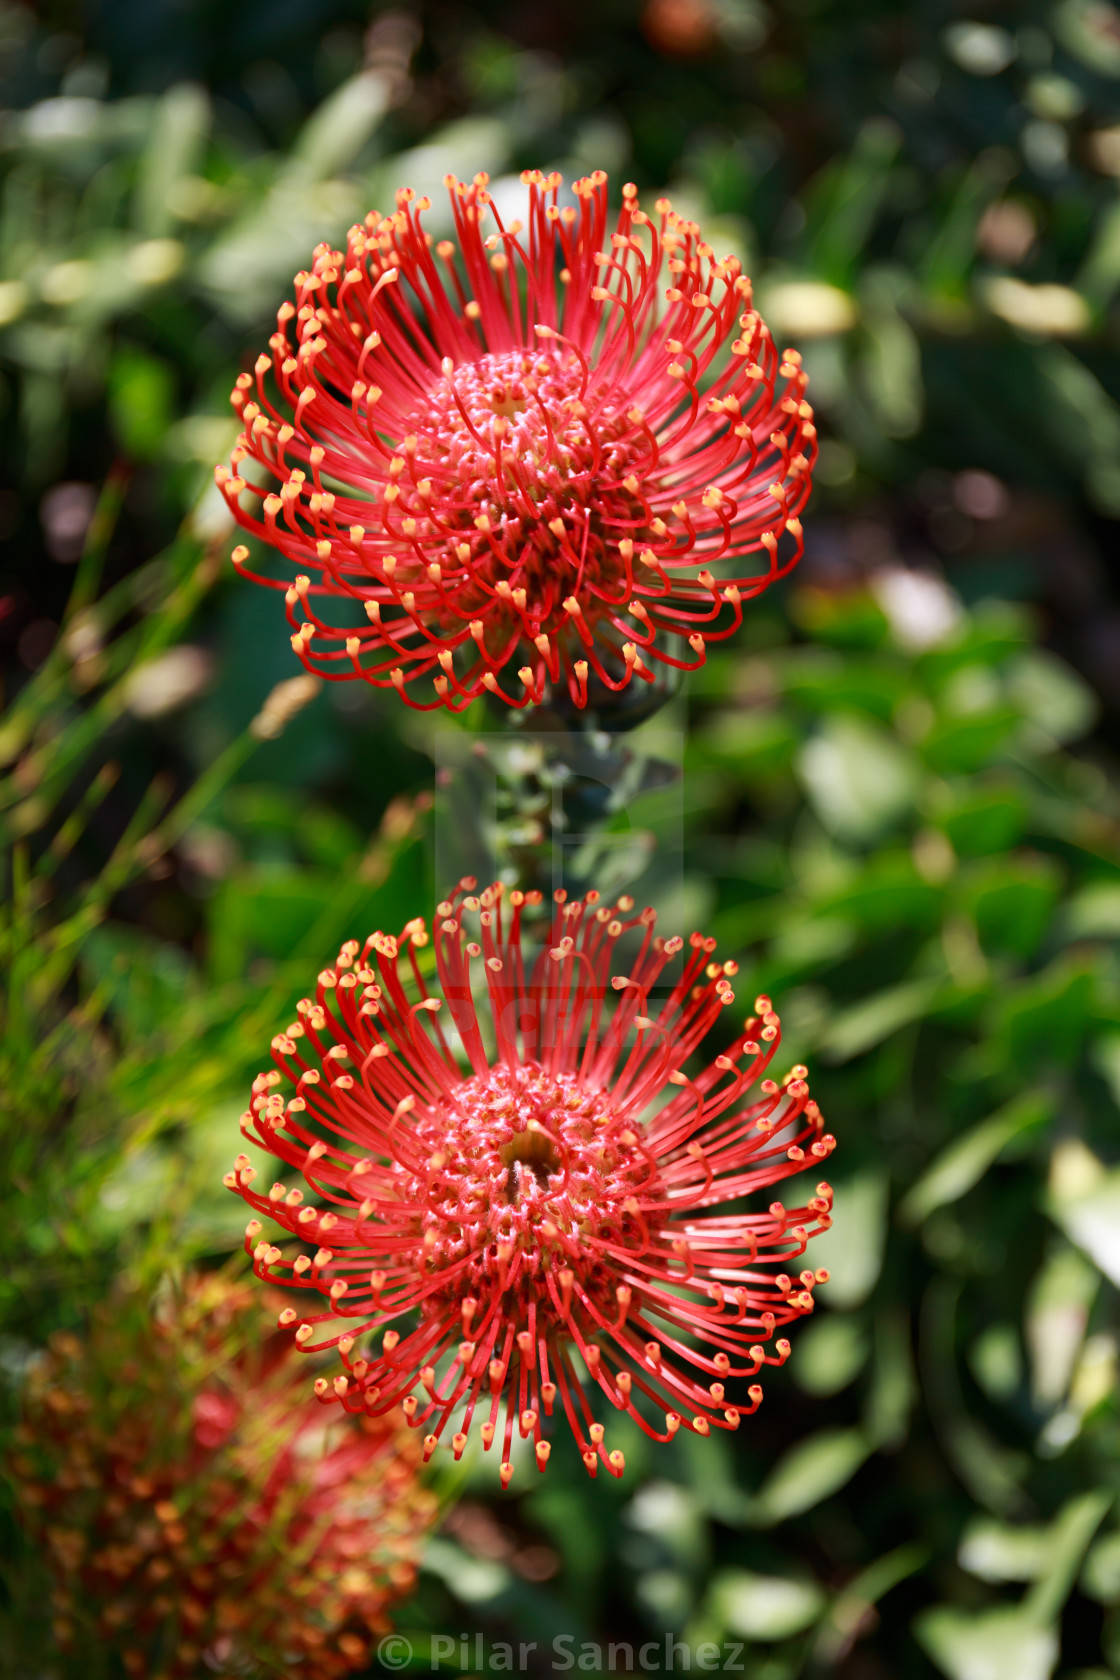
{"points": [[546, 447], [511, 1168]]}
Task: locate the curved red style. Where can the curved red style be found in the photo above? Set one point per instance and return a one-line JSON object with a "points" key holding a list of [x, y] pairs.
{"points": [[530, 460], [513, 1167]]}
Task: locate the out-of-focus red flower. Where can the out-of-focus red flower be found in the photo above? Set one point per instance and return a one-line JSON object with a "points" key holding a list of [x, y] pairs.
{"points": [[195, 1513], [532, 459], [680, 28], [516, 1166]]}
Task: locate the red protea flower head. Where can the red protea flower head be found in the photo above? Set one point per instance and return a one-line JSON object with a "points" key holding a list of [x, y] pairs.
{"points": [[194, 1514], [513, 1166], [553, 446]]}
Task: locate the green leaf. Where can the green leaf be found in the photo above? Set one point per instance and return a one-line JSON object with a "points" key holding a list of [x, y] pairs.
{"points": [[307, 201], [1100, 1577], [996, 1645], [1090, 1217], [980, 822], [177, 135], [844, 201], [673, 1514], [1011, 900], [991, 1471], [809, 1472], [852, 1249], [858, 777], [472, 1580], [1070, 1534], [805, 945], [755, 741], [1106, 1059], [1048, 693], [331, 139], [141, 402], [263, 910], [866, 1024], [327, 838], [1094, 912], [894, 1385], [144, 979], [848, 1613], [1083, 30], [946, 265], [1081, 423], [888, 893], [763, 1607], [993, 631], [829, 1354], [139, 1184], [995, 1551], [965, 1161], [891, 363], [1099, 275], [1057, 1313], [824, 681], [996, 1360], [1044, 1020], [847, 619], [957, 745]]}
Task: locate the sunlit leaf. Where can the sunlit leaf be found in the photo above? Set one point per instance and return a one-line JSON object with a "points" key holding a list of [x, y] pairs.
{"points": [[1046, 1018], [1056, 1318], [141, 393], [980, 821], [995, 1645], [808, 1473], [763, 1607], [853, 1249], [965, 1161], [1100, 1577], [999, 1552], [1011, 900], [1051, 695], [472, 1580], [829, 1355], [858, 1029], [1091, 1219]]}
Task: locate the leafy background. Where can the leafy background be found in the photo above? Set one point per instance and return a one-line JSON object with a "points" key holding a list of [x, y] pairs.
{"points": [[901, 800]]}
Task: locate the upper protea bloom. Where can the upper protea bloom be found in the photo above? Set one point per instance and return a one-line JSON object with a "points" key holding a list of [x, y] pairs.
{"points": [[195, 1514], [551, 447], [522, 1169]]}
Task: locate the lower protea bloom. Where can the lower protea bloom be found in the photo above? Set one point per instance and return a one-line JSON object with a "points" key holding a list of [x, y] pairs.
{"points": [[517, 1169], [561, 447], [195, 1515]]}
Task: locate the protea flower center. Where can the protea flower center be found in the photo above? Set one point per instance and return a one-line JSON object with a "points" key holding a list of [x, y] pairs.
{"points": [[530, 1164], [531, 472]]}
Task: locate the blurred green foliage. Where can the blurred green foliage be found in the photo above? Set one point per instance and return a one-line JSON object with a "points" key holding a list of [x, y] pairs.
{"points": [[929, 882], [901, 813]]}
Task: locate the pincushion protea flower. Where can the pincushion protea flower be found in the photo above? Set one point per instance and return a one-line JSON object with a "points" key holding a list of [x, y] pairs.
{"points": [[547, 447], [196, 1516], [535, 1176]]}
